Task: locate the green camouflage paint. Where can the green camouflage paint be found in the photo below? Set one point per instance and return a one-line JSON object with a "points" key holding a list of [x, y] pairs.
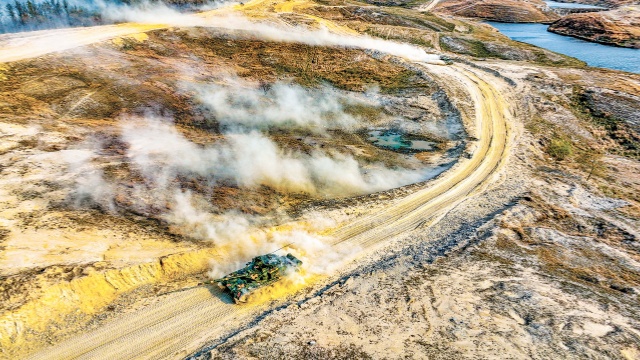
{"points": [[263, 270]]}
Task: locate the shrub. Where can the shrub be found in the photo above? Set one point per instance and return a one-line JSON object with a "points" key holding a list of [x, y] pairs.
{"points": [[560, 148]]}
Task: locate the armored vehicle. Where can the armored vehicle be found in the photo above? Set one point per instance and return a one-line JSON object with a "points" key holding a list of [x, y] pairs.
{"points": [[261, 271]]}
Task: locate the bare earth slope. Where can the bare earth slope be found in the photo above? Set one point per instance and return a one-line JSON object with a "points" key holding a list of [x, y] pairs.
{"points": [[169, 328], [515, 11], [619, 27]]}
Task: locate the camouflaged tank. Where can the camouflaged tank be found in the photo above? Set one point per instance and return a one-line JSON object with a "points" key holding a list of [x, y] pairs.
{"points": [[261, 271]]}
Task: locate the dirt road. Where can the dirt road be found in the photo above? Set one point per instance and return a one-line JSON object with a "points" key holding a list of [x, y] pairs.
{"points": [[465, 179], [429, 6], [38, 43], [183, 321], [21, 46]]}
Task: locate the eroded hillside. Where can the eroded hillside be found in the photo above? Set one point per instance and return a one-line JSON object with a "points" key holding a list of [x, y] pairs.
{"points": [[616, 27]]}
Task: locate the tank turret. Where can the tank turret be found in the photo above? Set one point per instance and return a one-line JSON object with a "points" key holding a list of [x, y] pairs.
{"points": [[263, 270]]}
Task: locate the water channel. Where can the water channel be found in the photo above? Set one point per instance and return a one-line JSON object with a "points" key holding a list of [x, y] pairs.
{"points": [[594, 54]]}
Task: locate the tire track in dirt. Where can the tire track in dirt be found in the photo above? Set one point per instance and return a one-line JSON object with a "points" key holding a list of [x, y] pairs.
{"points": [[28, 45], [181, 322], [408, 212]]}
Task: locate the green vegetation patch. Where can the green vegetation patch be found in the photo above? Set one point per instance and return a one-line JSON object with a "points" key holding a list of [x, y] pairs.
{"points": [[348, 69], [568, 148], [560, 148], [619, 130]]}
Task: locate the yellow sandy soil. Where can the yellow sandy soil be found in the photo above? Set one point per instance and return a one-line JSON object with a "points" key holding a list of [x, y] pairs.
{"points": [[178, 323]]}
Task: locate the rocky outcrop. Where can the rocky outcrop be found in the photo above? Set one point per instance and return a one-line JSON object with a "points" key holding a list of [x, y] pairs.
{"points": [[604, 3], [619, 27], [512, 11]]}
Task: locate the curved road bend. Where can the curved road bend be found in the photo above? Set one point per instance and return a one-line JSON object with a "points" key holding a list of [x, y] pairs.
{"points": [[183, 321]]}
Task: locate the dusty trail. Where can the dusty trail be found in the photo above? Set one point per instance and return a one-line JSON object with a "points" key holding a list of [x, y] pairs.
{"points": [[429, 6], [181, 322], [418, 208], [21, 46], [38, 43]]}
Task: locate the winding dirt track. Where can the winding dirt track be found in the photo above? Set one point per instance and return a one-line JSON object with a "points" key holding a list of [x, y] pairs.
{"points": [[430, 6], [14, 47], [456, 185], [181, 322]]}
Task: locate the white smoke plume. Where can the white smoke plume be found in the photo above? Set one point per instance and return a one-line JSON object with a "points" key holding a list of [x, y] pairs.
{"points": [[249, 159], [90, 184], [188, 213], [317, 254], [161, 14], [323, 37], [160, 152], [147, 12], [239, 239], [280, 106]]}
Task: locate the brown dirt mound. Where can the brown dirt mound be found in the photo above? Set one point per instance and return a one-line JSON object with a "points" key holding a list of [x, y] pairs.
{"points": [[619, 27], [503, 11]]}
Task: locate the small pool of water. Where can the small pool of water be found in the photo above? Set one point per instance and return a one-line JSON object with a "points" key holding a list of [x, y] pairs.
{"points": [[594, 54], [397, 141], [561, 5]]}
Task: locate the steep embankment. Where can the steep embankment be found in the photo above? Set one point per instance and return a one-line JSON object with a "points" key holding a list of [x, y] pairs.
{"points": [[87, 295], [512, 11], [619, 27], [181, 322]]}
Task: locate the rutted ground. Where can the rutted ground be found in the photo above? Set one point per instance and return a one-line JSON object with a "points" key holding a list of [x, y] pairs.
{"points": [[544, 266], [538, 209], [181, 329]]}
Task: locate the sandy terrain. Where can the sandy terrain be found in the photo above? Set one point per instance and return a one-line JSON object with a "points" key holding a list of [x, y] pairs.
{"points": [[418, 209], [526, 246]]}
